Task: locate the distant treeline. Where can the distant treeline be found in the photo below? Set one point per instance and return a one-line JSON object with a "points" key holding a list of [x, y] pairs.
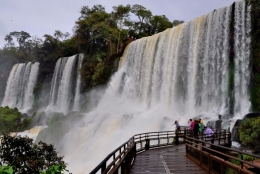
{"points": [[100, 35]]}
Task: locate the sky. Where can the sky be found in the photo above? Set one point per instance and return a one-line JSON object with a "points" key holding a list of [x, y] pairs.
{"points": [[39, 17]]}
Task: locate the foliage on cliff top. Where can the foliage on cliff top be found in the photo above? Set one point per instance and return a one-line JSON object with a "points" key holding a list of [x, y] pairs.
{"points": [[11, 120]]}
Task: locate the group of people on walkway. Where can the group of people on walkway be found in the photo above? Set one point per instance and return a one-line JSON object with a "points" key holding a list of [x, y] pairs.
{"points": [[197, 128]]}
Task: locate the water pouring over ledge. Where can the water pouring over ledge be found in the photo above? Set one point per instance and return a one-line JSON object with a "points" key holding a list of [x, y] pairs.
{"points": [[182, 72]]}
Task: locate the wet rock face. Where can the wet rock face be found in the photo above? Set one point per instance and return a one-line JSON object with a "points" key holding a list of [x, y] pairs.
{"points": [[235, 134], [251, 115]]}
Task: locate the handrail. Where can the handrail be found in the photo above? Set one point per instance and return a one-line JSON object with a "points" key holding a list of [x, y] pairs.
{"points": [[102, 166], [205, 157], [135, 144], [122, 158]]}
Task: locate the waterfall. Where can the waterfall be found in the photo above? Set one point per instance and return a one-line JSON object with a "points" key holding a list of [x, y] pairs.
{"points": [[20, 85], [242, 57], [76, 105], [184, 72], [65, 87], [188, 67]]}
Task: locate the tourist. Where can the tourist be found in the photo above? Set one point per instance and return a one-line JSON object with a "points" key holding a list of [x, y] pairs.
{"points": [[191, 124], [209, 132], [178, 127], [196, 129], [201, 127]]}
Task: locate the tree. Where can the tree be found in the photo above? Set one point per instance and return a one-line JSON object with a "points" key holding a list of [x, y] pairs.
{"points": [[144, 17], [159, 24], [9, 40], [21, 37], [249, 133], [254, 3], [176, 22], [120, 14], [26, 157], [58, 34], [84, 31]]}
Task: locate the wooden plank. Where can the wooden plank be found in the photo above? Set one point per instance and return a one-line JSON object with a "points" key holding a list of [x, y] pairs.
{"points": [[165, 160]]}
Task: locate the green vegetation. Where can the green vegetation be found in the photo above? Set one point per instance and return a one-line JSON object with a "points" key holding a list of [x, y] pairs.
{"points": [[6, 170], [11, 120], [238, 163], [55, 169], [249, 133], [22, 156]]}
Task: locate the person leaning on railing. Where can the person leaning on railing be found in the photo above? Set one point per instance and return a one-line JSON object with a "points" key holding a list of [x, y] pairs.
{"points": [[178, 127]]}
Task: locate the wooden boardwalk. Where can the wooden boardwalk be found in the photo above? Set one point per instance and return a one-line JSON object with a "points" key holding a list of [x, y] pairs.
{"points": [[167, 160]]}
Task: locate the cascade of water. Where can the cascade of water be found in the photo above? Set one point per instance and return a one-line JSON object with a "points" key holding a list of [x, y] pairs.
{"points": [[187, 67], [182, 72], [65, 88], [76, 106], [242, 57], [32, 79], [8, 90], [20, 85], [55, 83]]}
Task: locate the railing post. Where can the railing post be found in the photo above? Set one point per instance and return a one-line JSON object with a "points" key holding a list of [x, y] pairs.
{"points": [[167, 138], [212, 138], [158, 139], [229, 140], [209, 162], [242, 164], [225, 136], [103, 168], [184, 135], [147, 142], [219, 137]]}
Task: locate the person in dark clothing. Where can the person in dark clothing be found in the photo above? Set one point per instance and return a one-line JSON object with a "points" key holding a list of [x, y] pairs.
{"points": [[196, 129], [178, 127]]}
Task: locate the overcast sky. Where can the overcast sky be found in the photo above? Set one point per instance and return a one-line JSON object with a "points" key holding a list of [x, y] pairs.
{"points": [[39, 17]]}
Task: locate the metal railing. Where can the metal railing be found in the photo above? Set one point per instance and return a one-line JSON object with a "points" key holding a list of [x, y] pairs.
{"points": [[122, 158], [198, 149], [219, 161]]}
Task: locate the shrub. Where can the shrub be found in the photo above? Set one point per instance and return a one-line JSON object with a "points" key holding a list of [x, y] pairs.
{"points": [[26, 157], [11, 120], [249, 133]]}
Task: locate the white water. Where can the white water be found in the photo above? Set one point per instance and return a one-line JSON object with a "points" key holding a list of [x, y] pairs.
{"points": [[182, 72], [242, 53], [20, 85], [76, 106], [64, 95]]}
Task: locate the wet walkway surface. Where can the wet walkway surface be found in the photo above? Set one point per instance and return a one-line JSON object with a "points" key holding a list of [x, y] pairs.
{"points": [[167, 160]]}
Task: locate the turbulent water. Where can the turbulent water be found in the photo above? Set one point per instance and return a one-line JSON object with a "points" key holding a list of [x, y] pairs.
{"points": [[20, 85], [192, 70], [197, 69], [188, 67], [65, 87]]}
